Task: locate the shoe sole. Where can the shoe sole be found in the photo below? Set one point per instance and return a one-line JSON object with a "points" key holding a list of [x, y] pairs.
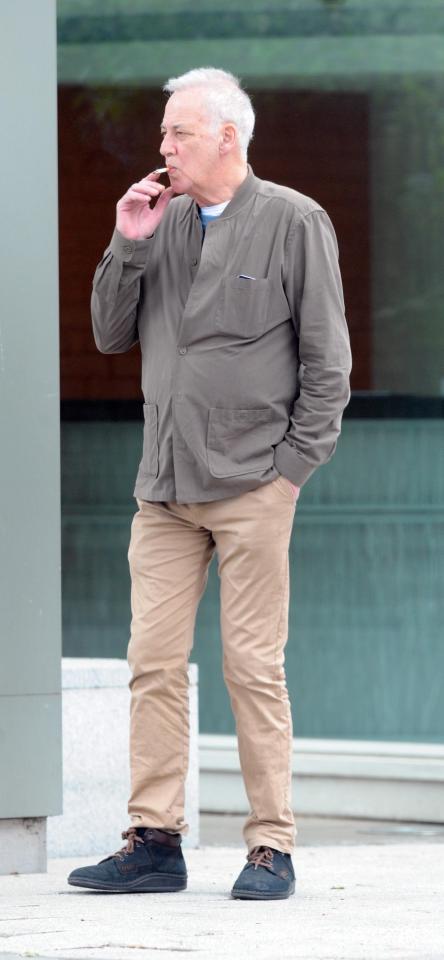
{"points": [[255, 895], [156, 884]]}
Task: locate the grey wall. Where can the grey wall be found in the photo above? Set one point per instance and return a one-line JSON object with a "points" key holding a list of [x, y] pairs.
{"points": [[30, 621]]}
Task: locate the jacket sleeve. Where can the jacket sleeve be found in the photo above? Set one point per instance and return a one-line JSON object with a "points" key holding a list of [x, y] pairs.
{"points": [[313, 287], [116, 292]]}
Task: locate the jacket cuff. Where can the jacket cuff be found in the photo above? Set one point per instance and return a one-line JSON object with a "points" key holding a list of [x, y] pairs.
{"points": [[130, 251], [291, 464]]}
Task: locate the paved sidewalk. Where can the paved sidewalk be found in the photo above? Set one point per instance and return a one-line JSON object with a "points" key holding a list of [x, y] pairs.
{"points": [[225, 830], [352, 902]]}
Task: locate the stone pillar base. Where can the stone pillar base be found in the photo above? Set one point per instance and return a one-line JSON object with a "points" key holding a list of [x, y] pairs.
{"points": [[96, 706], [23, 845]]}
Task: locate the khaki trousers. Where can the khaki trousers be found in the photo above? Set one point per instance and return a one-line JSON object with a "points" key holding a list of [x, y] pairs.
{"points": [[170, 550]]}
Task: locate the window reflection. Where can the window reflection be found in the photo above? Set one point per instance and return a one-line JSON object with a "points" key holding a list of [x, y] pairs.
{"points": [[349, 111]]}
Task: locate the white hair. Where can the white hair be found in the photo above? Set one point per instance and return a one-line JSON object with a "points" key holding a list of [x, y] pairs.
{"points": [[224, 98]]}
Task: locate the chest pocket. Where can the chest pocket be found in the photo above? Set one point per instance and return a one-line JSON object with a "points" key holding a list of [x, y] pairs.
{"points": [[243, 306]]}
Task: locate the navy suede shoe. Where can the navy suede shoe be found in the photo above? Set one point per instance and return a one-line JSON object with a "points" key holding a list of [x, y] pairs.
{"points": [[152, 862], [268, 875]]}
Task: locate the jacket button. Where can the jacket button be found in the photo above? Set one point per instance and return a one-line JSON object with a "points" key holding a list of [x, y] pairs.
{"points": [[182, 350], [194, 262], [127, 248]]}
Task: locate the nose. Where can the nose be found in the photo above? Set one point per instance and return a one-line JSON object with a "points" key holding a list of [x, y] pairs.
{"points": [[166, 147]]}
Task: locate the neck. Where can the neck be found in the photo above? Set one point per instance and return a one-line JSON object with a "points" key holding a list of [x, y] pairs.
{"points": [[223, 189]]}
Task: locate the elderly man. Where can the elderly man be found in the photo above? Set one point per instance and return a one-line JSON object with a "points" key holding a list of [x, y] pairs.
{"points": [[231, 285]]}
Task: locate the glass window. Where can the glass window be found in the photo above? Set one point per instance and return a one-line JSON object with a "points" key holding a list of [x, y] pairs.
{"points": [[349, 100], [349, 110]]}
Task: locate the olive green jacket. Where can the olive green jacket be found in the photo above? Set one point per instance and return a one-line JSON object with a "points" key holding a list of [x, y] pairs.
{"points": [[245, 347]]}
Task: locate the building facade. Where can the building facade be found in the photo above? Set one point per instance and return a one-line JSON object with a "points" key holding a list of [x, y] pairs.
{"points": [[349, 99]]}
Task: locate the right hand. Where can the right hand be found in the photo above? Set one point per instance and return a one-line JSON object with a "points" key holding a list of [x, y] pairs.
{"points": [[136, 218]]}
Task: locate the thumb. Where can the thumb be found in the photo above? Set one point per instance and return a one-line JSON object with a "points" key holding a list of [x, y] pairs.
{"points": [[164, 200]]}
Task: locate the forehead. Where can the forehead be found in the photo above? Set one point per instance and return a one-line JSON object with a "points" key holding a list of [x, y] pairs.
{"points": [[185, 107]]}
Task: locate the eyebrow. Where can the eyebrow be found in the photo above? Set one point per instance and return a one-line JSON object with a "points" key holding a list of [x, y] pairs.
{"points": [[174, 125]]}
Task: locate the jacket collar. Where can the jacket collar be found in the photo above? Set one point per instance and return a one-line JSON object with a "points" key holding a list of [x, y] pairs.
{"points": [[243, 193]]}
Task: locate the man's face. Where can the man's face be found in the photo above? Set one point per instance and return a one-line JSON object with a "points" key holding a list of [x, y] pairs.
{"points": [[189, 147]]}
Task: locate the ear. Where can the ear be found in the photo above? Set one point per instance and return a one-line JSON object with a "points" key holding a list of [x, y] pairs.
{"points": [[227, 138]]}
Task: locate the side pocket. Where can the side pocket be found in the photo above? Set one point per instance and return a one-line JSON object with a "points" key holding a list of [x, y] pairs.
{"points": [[289, 490], [150, 457], [239, 441]]}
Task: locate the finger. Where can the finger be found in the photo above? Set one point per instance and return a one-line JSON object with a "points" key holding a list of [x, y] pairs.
{"points": [[137, 192], [155, 174], [152, 187], [164, 199], [139, 196]]}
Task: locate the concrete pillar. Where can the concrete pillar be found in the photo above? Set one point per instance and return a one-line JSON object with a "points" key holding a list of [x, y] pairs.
{"points": [[30, 604]]}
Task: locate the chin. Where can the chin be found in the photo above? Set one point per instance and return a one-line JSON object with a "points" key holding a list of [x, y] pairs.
{"points": [[179, 184], [185, 186]]}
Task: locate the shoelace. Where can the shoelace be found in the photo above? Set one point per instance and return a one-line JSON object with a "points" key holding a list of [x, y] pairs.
{"points": [[133, 837], [261, 857]]}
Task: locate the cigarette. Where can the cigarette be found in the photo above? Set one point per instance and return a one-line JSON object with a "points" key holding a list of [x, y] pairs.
{"points": [[161, 170]]}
